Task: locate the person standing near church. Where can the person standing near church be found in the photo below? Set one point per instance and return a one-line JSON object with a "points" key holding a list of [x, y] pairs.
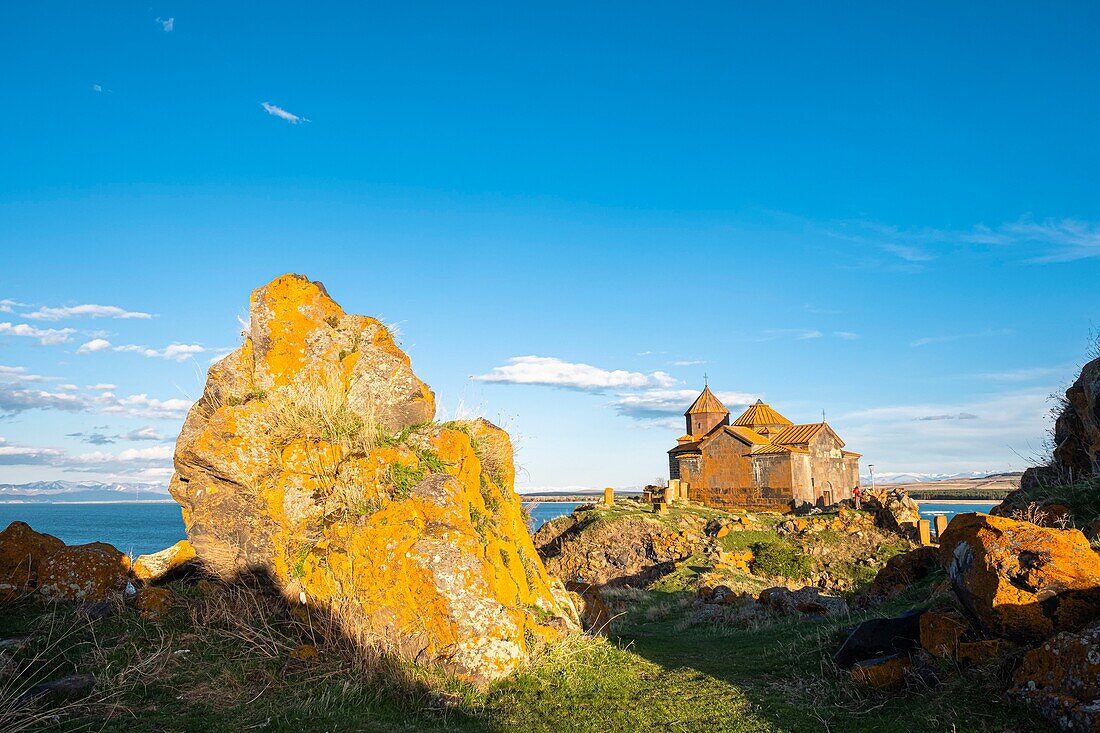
{"points": [[857, 495]]}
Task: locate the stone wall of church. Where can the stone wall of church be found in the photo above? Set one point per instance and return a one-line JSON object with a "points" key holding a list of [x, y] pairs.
{"points": [[834, 476]]}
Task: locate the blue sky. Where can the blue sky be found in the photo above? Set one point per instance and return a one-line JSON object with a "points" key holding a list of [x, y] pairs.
{"points": [[884, 211]]}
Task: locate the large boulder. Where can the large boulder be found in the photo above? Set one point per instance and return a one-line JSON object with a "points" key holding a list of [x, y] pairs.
{"points": [[87, 573], [22, 554], [1019, 580], [311, 458]]}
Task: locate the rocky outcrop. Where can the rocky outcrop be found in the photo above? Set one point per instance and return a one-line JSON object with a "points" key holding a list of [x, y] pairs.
{"points": [[1018, 580], [1076, 435], [893, 509], [311, 458], [625, 551]]}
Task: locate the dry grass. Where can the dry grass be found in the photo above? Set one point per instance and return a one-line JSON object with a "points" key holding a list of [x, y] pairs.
{"points": [[48, 655], [319, 410]]}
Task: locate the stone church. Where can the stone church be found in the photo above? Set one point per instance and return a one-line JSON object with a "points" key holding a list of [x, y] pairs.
{"points": [[761, 461]]}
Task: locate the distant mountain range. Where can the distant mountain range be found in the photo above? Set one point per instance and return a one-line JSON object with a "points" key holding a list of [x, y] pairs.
{"points": [[927, 478], [57, 492]]}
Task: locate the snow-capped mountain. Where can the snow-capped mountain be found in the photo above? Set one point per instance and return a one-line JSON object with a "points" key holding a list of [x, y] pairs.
{"points": [[925, 478], [49, 492]]}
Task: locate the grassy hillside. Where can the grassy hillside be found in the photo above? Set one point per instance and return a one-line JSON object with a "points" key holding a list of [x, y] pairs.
{"points": [[224, 659]]}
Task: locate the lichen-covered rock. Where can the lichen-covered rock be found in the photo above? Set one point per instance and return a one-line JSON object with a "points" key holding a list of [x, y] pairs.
{"points": [[804, 601], [311, 458], [152, 602], [624, 551], [155, 566], [940, 633], [886, 673], [92, 572], [893, 508], [1019, 580], [1061, 679], [901, 571], [22, 553]]}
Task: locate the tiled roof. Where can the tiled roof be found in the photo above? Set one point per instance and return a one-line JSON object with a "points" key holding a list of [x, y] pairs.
{"points": [[706, 402], [798, 434], [760, 414], [772, 449], [692, 447], [850, 453], [751, 436]]}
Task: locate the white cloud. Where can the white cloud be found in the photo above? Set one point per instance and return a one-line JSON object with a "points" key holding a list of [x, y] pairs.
{"points": [[45, 336], [282, 114], [103, 387], [17, 399], [846, 335], [553, 372], [18, 374], [149, 462], [689, 362], [68, 387], [1003, 431], [1045, 241], [669, 405], [7, 305], [928, 340], [168, 24], [799, 334], [141, 405], [87, 310], [172, 352], [1026, 375], [148, 432], [93, 346]]}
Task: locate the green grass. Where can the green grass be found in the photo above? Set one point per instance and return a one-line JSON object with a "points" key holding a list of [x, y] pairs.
{"points": [[222, 665]]}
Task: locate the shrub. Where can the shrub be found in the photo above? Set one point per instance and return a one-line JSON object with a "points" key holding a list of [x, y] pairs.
{"points": [[780, 559]]}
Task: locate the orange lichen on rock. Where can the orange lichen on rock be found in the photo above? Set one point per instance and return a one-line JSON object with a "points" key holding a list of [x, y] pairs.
{"points": [[1020, 580], [91, 572], [940, 633], [156, 565], [1061, 679], [152, 603], [312, 457], [884, 674], [22, 554]]}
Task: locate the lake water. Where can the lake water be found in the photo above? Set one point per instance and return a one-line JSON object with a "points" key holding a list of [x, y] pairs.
{"points": [[142, 528]]}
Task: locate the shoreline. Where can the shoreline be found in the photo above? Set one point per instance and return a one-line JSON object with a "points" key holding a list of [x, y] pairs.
{"points": [[70, 503]]}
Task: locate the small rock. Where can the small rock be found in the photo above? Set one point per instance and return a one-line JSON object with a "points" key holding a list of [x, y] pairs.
{"points": [[158, 566], [884, 673], [880, 637], [153, 603], [940, 633], [305, 653], [66, 688]]}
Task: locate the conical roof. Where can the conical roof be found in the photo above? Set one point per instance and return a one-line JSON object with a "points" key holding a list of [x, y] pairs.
{"points": [[760, 415], [706, 402]]}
